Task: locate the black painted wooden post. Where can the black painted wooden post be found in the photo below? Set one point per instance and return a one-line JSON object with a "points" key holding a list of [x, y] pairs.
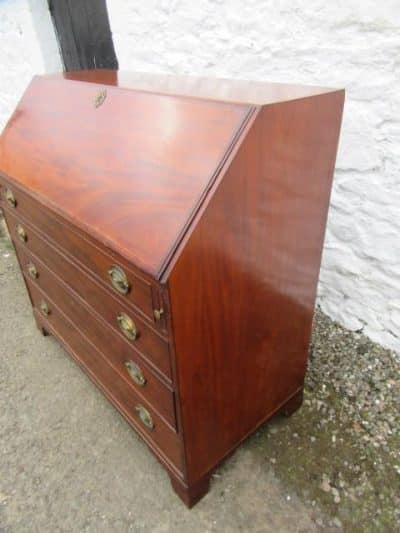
{"points": [[84, 35]]}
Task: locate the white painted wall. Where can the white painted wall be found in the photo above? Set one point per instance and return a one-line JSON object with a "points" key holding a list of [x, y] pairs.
{"points": [[347, 43], [27, 46]]}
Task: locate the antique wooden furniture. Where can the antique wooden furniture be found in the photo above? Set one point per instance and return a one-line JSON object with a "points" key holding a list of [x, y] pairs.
{"points": [[169, 231]]}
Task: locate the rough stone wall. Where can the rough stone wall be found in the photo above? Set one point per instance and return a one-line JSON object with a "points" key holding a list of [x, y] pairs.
{"points": [[346, 43], [27, 47]]}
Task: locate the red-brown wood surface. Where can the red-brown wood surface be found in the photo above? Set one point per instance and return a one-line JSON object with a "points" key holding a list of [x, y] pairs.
{"points": [[155, 392], [130, 172], [242, 291], [252, 92], [83, 251], [216, 211], [150, 345], [163, 440]]}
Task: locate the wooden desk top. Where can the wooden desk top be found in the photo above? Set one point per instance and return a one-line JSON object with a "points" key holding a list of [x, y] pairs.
{"points": [[130, 172]]}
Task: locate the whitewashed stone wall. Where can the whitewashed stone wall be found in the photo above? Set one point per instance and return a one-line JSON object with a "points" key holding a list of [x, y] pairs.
{"points": [[27, 47], [347, 43]]}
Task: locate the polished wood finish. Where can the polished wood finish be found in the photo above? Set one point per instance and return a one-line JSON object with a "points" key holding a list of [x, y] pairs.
{"points": [[90, 255], [125, 172], [118, 351], [247, 276], [216, 212], [251, 92], [163, 441], [149, 344], [190, 495]]}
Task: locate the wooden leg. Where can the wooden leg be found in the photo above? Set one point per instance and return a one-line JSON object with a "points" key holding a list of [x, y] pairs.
{"points": [[191, 495], [293, 404]]}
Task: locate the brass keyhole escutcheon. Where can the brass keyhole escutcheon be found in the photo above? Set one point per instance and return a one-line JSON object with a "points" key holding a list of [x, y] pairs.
{"points": [[21, 232], [44, 308], [145, 416], [32, 271], [101, 96], [119, 279], [10, 198], [127, 326], [135, 373]]}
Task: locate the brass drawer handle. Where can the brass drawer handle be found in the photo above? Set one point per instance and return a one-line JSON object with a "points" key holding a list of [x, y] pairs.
{"points": [[119, 279], [21, 232], [135, 373], [12, 202], [127, 326], [44, 308], [32, 271], [145, 416]]}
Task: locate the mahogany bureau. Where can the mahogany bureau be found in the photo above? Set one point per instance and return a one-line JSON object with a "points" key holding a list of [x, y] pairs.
{"points": [[169, 231]]}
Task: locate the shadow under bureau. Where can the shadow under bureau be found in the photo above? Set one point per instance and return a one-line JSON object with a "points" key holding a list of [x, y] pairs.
{"points": [[169, 231]]}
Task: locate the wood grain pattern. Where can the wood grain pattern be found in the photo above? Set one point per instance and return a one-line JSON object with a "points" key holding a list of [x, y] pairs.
{"points": [[156, 392], [149, 344], [162, 440], [113, 346], [247, 277], [91, 255], [216, 211], [124, 172]]}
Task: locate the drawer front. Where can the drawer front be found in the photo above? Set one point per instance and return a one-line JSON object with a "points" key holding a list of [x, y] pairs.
{"points": [[101, 264], [118, 353], [147, 342], [164, 442]]}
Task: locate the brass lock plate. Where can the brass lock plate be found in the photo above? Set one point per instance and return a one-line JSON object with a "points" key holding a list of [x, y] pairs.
{"points": [[99, 100]]}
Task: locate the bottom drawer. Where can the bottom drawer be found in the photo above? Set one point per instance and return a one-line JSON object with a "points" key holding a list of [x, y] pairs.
{"points": [[161, 439]]}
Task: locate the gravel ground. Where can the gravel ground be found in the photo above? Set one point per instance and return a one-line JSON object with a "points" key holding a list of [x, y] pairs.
{"points": [[341, 451], [68, 462]]}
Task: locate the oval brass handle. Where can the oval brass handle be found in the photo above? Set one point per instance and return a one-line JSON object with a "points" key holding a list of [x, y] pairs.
{"points": [[127, 326], [135, 373], [44, 308], [21, 232], [145, 416], [32, 271], [119, 279], [12, 202]]}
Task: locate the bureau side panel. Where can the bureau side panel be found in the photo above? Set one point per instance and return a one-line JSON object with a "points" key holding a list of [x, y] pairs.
{"points": [[242, 291]]}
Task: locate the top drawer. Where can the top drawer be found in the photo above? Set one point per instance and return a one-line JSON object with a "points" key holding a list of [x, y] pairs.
{"points": [[105, 265]]}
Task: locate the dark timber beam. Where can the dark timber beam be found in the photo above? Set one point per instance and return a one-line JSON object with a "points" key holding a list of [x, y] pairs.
{"points": [[84, 35]]}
